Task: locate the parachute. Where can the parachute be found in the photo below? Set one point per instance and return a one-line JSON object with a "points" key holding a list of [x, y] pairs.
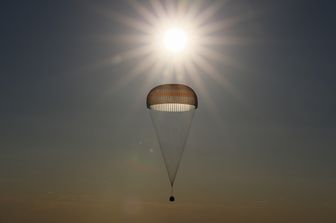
{"points": [[172, 107]]}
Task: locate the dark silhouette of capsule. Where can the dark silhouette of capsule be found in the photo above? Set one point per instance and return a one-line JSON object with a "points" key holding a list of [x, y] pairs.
{"points": [[172, 199]]}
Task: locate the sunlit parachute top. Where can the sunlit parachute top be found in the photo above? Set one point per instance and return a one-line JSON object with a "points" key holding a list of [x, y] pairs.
{"points": [[172, 98]]}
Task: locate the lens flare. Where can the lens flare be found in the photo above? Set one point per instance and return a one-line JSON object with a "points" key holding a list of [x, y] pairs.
{"points": [[177, 41]]}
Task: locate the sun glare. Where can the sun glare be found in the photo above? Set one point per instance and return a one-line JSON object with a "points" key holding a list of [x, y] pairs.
{"points": [[175, 40]]}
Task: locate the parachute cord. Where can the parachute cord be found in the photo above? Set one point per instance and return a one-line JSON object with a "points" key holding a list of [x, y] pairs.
{"points": [[172, 191]]}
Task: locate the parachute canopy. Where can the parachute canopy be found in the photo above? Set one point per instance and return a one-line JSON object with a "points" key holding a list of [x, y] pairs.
{"points": [[172, 98]]}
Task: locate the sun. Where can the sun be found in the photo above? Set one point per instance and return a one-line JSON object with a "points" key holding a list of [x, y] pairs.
{"points": [[175, 40]]}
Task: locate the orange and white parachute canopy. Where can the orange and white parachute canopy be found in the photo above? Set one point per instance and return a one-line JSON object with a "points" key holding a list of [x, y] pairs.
{"points": [[172, 98]]}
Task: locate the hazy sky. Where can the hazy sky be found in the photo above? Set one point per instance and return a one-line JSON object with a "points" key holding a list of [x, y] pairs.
{"points": [[77, 143]]}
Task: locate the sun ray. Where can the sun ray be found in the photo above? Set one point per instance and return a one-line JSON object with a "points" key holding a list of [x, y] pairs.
{"points": [[224, 25], [126, 38], [143, 65], [210, 11], [158, 67], [214, 55], [133, 23], [182, 7], [144, 12], [213, 73], [158, 8], [179, 72], [194, 10], [197, 81], [171, 8], [134, 53], [220, 40], [124, 19]]}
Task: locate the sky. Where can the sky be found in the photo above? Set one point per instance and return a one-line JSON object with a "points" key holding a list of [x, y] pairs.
{"points": [[77, 143]]}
